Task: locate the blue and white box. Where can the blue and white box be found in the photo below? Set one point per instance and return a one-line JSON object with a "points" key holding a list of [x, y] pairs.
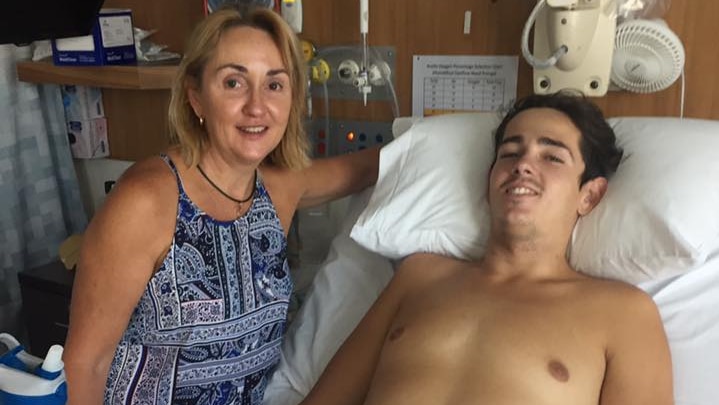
{"points": [[111, 42], [88, 139], [82, 103]]}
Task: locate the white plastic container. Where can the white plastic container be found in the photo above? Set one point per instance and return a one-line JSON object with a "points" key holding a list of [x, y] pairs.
{"points": [[29, 380]]}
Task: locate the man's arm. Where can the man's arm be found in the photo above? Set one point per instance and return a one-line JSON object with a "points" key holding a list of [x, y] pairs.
{"points": [[639, 367], [347, 377]]}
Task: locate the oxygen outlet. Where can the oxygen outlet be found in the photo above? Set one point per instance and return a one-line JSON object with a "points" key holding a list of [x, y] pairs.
{"points": [[320, 71], [348, 71]]}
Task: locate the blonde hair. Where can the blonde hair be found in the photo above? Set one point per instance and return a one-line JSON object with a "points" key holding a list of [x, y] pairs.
{"points": [[185, 128]]}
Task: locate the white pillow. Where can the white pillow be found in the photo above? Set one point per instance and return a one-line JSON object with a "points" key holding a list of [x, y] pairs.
{"points": [[430, 194], [660, 216]]}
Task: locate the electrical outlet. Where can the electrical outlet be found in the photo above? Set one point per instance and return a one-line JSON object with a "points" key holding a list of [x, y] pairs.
{"points": [[109, 184]]}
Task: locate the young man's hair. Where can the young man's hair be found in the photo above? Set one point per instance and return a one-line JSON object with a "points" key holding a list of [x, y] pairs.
{"points": [[600, 153]]}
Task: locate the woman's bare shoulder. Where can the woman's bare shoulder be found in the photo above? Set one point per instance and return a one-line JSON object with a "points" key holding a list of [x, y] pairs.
{"points": [[147, 191], [133, 227], [281, 180], [148, 173]]}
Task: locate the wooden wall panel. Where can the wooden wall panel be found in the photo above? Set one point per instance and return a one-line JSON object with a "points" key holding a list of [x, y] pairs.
{"points": [[695, 22], [142, 130], [435, 27]]}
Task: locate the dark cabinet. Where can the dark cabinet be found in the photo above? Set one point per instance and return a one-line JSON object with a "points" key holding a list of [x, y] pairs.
{"points": [[46, 292]]}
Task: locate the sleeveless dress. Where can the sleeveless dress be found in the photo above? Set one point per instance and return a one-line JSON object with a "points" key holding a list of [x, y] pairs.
{"points": [[208, 327]]}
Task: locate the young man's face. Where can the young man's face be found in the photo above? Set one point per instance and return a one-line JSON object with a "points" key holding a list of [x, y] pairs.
{"points": [[534, 184]]}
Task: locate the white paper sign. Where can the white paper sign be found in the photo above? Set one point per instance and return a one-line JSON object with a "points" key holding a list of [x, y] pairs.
{"points": [[445, 83]]}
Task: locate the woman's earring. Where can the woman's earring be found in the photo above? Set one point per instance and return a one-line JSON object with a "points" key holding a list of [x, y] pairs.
{"points": [[202, 121]]}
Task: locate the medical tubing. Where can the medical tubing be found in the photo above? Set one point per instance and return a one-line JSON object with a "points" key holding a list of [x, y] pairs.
{"points": [[364, 30], [536, 63], [328, 136], [365, 56], [365, 86], [681, 103], [309, 92], [388, 78], [395, 103]]}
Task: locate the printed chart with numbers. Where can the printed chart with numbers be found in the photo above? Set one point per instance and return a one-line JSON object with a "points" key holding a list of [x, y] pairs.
{"points": [[445, 84]]}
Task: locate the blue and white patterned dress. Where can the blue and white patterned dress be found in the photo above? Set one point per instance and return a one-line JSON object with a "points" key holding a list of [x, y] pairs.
{"points": [[208, 327]]}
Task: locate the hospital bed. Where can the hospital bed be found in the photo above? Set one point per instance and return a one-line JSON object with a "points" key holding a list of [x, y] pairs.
{"points": [[657, 228]]}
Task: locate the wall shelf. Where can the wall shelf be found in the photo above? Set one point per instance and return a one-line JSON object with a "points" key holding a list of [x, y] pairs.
{"points": [[128, 77], [136, 120]]}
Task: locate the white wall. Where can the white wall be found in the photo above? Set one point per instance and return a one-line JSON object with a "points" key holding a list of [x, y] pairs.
{"points": [[92, 175]]}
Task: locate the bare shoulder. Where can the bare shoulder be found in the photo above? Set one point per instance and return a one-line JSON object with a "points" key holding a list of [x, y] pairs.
{"points": [[144, 200], [280, 181], [636, 348], [619, 292], [426, 269], [430, 260], [621, 305], [285, 189], [148, 181]]}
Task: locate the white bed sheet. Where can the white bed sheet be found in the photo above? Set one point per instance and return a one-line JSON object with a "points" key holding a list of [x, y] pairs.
{"points": [[689, 306], [343, 289], [352, 277]]}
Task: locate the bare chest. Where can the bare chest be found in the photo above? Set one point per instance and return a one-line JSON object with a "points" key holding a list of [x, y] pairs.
{"points": [[534, 347]]}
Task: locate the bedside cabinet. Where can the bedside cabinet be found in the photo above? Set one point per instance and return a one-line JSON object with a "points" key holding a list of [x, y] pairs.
{"points": [[46, 292]]}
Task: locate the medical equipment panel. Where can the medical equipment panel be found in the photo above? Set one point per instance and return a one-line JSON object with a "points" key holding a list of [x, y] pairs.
{"points": [[345, 136], [345, 63]]}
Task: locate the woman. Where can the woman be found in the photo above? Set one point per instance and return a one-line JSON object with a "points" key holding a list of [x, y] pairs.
{"points": [[183, 285]]}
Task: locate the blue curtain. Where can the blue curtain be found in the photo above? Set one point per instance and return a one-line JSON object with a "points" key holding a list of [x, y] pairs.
{"points": [[40, 203]]}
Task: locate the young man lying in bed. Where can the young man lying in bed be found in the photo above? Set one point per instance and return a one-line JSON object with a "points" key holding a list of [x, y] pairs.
{"points": [[519, 326]]}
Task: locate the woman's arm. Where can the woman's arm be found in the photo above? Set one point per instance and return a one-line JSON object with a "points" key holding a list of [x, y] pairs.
{"points": [[119, 253], [336, 177], [324, 180]]}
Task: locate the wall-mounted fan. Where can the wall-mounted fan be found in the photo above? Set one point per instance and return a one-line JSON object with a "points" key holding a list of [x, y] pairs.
{"points": [[648, 56]]}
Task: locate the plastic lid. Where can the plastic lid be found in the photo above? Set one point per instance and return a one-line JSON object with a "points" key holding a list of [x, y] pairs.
{"points": [[53, 360]]}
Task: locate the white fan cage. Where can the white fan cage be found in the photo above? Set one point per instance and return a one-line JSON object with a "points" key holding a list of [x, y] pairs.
{"points": [[648, 56]]}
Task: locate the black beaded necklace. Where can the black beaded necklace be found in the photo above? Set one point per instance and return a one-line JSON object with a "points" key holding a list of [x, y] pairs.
{"points": [[239, 202]]}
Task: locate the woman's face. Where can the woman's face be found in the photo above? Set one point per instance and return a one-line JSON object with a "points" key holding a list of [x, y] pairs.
{"points": [[245, 96]]}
